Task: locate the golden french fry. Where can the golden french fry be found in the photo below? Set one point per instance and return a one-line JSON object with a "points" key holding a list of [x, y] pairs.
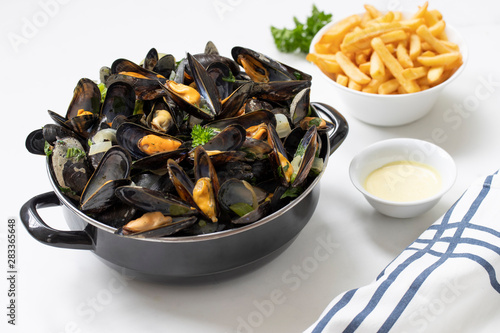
{"points": [[365, 68], [350, 69], [353, 85], [374, 12], [413, 24], [415, 73], [365, 18], [388, 17], [452, 46], [434, 74], [393, 66], [390, 47], [338, 30], [435, 43], [398, 16], [453, 66], [360, 40], [360, 58], [415, 47], [325, 62], [403, 56], [377, 68], [388, 87], [393, 36], [436, 13], [439, 60], [342, 79], [372, 86], [438, 28], [421, 10], [430, 17]]}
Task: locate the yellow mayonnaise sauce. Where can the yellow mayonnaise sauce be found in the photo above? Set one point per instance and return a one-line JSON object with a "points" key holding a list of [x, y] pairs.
{"points": [[403, 181]]}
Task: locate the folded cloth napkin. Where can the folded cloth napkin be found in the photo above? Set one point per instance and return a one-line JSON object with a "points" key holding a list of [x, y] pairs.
{"points": [[446, 281]]}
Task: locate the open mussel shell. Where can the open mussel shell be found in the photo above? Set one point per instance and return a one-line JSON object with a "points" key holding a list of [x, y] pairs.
{"points": [[203, 167], [149, 200], [262, 68], [230, 138], [220, 74], [174, 226], [256, 148], [153, 181], [119, 100], [146, 83], [158, 162], [239, 200], [279, 91], [233, 104], [207, 59], [141, 141], [151, 59], [128, 67], [182, 182], [35, 142], [246, 120], [112, 172], [205, 85], [82, 125], [53, 132], [161, 117], [69, 166], [278, 155], [176, 91], [86, 96], [165, 65], [299, 107], [304, 156]]}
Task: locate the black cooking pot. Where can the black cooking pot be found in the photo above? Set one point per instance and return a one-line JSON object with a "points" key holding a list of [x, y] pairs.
{"points": [[220, 253]]}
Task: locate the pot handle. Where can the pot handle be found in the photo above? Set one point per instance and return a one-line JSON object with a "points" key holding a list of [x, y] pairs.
{"points": [[339, 133], [39, 230]]}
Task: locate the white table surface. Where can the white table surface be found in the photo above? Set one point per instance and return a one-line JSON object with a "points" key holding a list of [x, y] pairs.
{"points": [[48, 45]]}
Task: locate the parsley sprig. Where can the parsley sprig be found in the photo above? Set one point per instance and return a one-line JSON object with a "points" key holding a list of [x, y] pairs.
{"points": [[289, 40], [201, 135]]}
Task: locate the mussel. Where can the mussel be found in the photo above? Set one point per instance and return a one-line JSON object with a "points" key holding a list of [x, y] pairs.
{"points": [[130, 159], [112, 172]]}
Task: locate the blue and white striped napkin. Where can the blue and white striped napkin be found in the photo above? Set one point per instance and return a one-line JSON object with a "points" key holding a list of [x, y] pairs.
{"points": [[446, 281]]}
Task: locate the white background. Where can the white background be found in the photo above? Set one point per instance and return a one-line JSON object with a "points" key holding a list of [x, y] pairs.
{"points": [[48, 45]]}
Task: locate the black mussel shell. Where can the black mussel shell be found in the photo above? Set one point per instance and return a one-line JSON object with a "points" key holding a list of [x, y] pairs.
{"points": [[112, 172], [86, 96], [148, 200]]}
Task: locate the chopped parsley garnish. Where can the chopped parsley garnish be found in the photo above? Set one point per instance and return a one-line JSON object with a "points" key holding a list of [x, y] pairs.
{"points": [[292, 192], [75, 153], [241, 208], [315, 121], [47, 148], [299, 38], [201, 135], [229, 78], [103, 89]]}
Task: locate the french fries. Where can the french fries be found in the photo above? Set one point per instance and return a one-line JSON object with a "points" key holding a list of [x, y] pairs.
{"points": [[385, 53]]}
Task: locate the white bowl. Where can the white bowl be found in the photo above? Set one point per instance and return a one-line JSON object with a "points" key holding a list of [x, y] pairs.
{"points": [[391, 110], [392, 150]]}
